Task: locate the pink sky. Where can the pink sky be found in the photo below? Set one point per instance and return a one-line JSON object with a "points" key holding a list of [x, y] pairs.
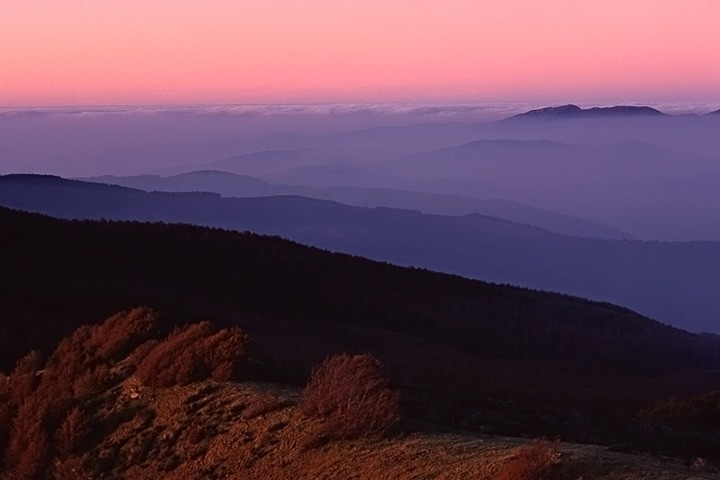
{"points": [[80, 52]]}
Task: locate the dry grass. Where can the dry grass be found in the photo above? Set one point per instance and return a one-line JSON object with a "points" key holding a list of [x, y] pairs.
{"points": [[126, 430], [535, 461]]}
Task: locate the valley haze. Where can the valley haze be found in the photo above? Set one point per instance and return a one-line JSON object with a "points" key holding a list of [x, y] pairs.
{"points": [[617, 203]]}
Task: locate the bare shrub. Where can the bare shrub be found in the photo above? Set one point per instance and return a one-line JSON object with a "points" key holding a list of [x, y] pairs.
{"points": [[351, 394], [223, 372], [69, 435], [226, 347], [142, 351], [534, 461], [192, 353], [71, 468], [70, 356], [23, 379], [119, 334], [28, 452], [29, 364], [172, 361], [7, 411]]}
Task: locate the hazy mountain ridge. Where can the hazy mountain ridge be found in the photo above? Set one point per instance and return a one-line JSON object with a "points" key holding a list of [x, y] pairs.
{"points": [[674, 282], [648, 191], [233, 185], [573, 111]]}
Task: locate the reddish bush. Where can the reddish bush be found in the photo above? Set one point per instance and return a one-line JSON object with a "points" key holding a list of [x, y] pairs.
{"points": [[226, 347], [353, 397], [223, 372], [70, 468], [173, 361], [29, 364], [70, 433], [28, 452], [142, 351], [117, 336], [36, 400], [191, 353], [23, 379], [535, 461]]}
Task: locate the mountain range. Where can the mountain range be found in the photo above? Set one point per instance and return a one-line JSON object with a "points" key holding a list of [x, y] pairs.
{"points": [[673, 282], [573, 111], [463, 354], [233, 185]]}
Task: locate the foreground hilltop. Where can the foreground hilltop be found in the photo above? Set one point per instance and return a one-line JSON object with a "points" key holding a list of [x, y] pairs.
{"points": [[123, 400], [488, 358]]}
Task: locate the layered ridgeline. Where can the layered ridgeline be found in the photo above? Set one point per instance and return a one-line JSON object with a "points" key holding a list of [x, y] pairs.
{"points": [[485, 356], [674, 282], [285, 292], [573, 111], [233, 185]]}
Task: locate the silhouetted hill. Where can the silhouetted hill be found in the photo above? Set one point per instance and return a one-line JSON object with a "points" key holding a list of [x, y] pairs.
{"points": [[459, 349], [673, 282], [573, 111], [232, 185]]}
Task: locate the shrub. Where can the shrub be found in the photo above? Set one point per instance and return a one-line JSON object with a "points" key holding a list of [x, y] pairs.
{"points": [[534, 461], [71, 432], [23, 379], [71, 468], [121, 333], [350, 393], [223, 372], [173, 360], [192, 353], [27, 453], [224, 349]]}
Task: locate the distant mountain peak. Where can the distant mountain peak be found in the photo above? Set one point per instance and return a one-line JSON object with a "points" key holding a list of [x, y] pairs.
{"points": [[573, 111]]}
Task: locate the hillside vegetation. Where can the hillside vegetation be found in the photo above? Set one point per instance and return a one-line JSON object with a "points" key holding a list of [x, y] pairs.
{"points": [[485, 357], [674, 282], [123, 399]]}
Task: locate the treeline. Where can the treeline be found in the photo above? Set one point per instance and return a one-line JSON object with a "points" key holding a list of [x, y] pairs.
{"points": [[451, 344]]}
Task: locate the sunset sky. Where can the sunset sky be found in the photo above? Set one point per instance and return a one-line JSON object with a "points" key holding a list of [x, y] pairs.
{"points": [[85, 52]]}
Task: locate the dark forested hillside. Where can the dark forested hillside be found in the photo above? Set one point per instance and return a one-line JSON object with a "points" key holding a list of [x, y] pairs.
{"points": [[301, 303], [674, 282]]}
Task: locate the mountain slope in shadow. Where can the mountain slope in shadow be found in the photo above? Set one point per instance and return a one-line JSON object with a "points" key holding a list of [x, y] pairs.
{"points": [[671, 281], [269, 284]]}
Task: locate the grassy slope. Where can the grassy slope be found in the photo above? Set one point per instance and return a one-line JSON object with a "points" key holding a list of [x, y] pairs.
{"points": [[270, 445]]}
